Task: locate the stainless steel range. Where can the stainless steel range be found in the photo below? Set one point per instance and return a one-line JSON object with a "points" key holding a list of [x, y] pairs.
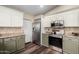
{"points": [[56, 40]]}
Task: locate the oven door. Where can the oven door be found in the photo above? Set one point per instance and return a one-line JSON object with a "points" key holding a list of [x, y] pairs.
{"points": [[54, 41]]}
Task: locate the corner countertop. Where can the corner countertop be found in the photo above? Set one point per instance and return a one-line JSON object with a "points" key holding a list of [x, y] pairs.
{"points": [[72, 36], [61, 35], [9, 35]]}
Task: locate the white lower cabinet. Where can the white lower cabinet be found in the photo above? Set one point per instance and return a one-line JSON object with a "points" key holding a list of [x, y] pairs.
{"points": [[45, 40], [70, 45]]}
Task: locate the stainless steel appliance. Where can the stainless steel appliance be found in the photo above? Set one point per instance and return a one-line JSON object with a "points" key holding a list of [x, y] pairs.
{"points": [[36, 32], [58, 30], [56, 40], [57, 23]]}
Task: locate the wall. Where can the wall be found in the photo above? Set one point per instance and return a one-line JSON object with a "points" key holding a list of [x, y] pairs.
{"points": [[27, 26], [38, 16], [29, 17]]}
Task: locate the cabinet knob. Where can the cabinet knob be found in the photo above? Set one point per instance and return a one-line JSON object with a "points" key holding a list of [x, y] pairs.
{"points": [[69, 39]]}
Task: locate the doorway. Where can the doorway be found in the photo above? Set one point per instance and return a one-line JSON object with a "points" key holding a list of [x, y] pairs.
{"points": [[27, 26]]}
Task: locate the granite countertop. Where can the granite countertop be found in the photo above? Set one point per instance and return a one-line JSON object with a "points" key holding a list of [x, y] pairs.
{"points": [[60, 36], [10, 35], [71, 36]]}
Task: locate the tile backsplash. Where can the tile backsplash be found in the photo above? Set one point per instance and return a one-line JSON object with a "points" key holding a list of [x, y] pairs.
{"points": [[16, 30], [69, 30], [11, 30]]}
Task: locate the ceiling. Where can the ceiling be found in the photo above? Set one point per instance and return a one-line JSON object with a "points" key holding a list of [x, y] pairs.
{"points": [[33, 9]]}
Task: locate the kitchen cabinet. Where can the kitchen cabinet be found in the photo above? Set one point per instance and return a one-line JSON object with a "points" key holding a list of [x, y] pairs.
{"points": [[70, 45], [46, 21], [45, 41], [20, 42], [10, 17], [4, 16], [12, 44], [58, 17], [16, 18], [53, 18], [71, 18], [1, 46]]}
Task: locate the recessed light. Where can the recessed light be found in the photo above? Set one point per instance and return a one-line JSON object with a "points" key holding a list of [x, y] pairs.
{"points": [[41, 6]]}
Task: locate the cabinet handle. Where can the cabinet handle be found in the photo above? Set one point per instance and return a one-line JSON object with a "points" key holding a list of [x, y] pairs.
{"points": [[69, 39]]}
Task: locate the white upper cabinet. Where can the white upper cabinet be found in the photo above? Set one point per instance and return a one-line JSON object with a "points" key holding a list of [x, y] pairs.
{"points": [[16, 19], [53, 18], [46, 21], [10, 17], [71, 18], [4, 17]]}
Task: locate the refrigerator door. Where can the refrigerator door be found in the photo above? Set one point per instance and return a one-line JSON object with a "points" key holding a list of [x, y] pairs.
{"points": [[36, 32]]}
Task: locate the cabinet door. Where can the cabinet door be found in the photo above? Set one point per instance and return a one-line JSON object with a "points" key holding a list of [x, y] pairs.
{"points": [[4, 17], [20, 42], [10, 17], [70, 45], [46, 21], [45, 40], [10, 45], [53, 18], [71, 19], [1, 46], [16, 18]]}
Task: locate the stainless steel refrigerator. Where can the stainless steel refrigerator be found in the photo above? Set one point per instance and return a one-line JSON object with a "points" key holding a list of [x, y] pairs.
{"points": [[36, 32]]}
